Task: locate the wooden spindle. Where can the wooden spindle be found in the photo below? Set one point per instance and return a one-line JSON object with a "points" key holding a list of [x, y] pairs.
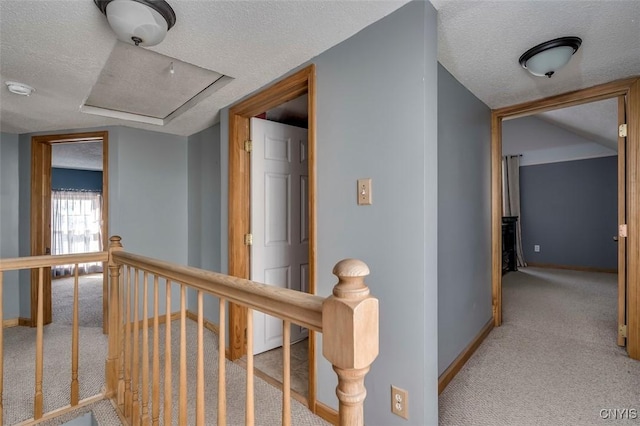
{"points": [[37, 400], [1, 350], [114, 383], [167, 358], [121, 340], [200, 363], [183, 357], [249, 406], [127, 346], [286, 373], [222, 381], [350, 308], [75, 389], [155, 392], [145, 351], [135, 373]]}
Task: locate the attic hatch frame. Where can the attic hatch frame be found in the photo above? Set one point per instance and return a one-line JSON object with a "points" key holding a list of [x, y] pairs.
{"points": [[240, 114], [628, 88]]}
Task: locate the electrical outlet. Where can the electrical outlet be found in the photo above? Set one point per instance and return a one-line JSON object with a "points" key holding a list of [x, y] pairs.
{"points": [[536, 248], [400, 402]]}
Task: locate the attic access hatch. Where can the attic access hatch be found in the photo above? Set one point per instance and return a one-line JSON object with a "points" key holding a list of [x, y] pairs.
{"points": [[142, 85]]}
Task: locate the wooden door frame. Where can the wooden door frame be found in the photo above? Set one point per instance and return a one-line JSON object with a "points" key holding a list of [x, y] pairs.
{"points": [[630, 88], [41, 204], [240, 114]]}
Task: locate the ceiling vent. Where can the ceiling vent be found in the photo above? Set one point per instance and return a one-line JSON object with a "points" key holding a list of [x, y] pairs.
{"points": [[145, 86]]}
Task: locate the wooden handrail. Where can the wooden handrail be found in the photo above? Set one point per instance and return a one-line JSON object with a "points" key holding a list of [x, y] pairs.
{"points": [[45, 261], [299, 308]]}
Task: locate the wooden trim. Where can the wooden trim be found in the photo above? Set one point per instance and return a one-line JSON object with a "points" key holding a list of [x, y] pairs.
{"points": [[464, 356], [24, 322], [633, 220], [496, 218], [622, 219], [8, 323], [207, 324], [41, 203], [630, 88], [572, 267], [283, 91], [61, 411], [327, 413]]}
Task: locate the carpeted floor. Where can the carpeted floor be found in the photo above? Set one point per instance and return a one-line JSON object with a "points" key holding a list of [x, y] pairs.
{"points": [[89, 303], [553, 362], [19, 377]]}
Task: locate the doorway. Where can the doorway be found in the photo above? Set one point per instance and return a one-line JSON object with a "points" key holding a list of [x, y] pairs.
{"points": [[630, 90], [288, 89], [41, 212]]}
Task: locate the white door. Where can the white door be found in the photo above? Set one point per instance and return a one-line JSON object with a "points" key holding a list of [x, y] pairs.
{"points": [[279, 220]]}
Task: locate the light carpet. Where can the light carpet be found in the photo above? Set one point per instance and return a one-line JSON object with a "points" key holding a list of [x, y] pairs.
{"points": [[19, 377], [89, 300], [553, 362]]}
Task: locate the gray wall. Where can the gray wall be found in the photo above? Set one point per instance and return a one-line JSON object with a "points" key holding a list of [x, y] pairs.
{"points": [[570, 210], [377, 118], [147, 197], [204, 209], [464, 217], [9, 220]]}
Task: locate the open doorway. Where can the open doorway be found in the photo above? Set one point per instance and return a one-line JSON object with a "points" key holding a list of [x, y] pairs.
{"points": [[560, 202], [630, 90], [69, 212], [280, 229], [288, 89]]}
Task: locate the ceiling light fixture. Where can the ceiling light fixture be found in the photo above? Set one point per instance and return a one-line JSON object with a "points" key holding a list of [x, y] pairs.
{"points": [[19, 88], [139, 22], [547, 58]]}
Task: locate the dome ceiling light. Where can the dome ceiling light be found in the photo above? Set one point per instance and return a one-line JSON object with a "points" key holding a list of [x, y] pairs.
{"points": [[547, 58], [19, 88], [139, 22]]}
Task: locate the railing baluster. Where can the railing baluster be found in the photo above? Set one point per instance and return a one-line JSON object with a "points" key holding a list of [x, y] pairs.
{"points": [[127, 346], [200, 363], [37, 400], [183, 356], [167, 358], [155, 393], [135, 376], [249, 408], [75, 390], [1, 350], [145, 351], [222, 381], [121, 336], [286, 373], [112, 364]]}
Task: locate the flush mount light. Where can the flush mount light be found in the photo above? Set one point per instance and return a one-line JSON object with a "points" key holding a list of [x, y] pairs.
{"points": [[139, 22], [19, 88], [547, 58]]}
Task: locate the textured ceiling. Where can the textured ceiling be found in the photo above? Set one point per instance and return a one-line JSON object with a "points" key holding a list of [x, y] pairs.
{"points": [[60, 48], [63, 46], [82, 156]]}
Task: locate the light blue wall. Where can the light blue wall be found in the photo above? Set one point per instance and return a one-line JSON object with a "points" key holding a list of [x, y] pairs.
{"points": [[204, 182], [464, 217], [377, 117], [9, 220], [147, 197]]}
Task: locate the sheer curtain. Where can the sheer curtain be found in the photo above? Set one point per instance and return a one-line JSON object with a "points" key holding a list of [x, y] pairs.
{"points": [[75, 228], [511, 198]]}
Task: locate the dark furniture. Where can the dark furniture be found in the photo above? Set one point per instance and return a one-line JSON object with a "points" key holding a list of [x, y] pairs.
{"points": [[509, 261]]}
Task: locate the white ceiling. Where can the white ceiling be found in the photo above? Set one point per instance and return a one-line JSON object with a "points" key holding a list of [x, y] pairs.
{"points": [[82, 156], [63, 46]]}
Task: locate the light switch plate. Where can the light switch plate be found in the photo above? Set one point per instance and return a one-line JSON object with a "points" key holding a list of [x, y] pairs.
{"points": [[364, 192]]}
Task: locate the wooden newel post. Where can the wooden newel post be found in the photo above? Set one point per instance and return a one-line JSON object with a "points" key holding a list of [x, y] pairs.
{"points": [[350, 337], [111, 365]]}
